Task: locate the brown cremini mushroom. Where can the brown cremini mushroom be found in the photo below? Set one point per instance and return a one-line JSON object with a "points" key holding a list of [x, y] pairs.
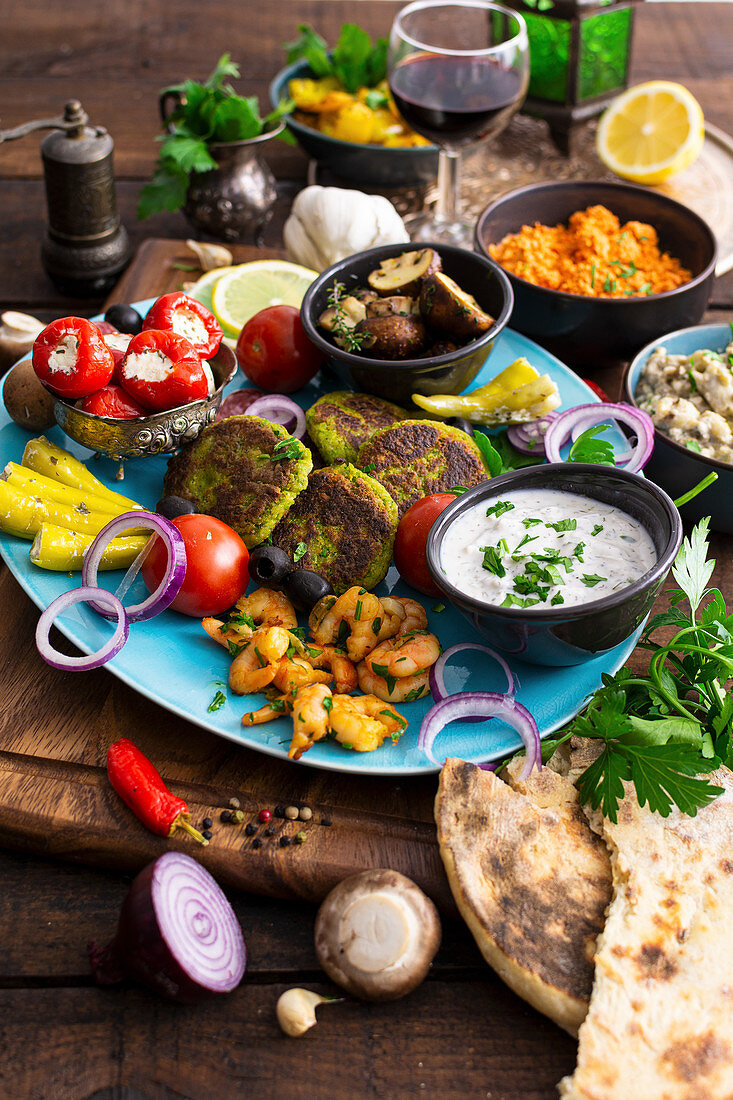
{"points": [[377, 934]]}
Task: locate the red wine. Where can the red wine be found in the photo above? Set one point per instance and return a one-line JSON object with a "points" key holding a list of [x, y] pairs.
{"points": [[455, 100]]}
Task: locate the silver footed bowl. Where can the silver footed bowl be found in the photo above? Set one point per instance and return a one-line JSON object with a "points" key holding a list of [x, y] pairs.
{"points": [[159, 433]]}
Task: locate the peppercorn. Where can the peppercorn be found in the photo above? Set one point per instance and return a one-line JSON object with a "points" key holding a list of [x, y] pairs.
{"points": [[206, 834], [256, 843], [264, 815], [207, 823], [250, 829], [291, 812], [306, 813], [269, 832], [284, 841], [238, 816], [279, 811], [235, 803], [326, 821], [225, 815], [300, 837]]}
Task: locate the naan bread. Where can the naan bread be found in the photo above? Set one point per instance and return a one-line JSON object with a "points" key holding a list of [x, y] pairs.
{"points": [[660, 1023], [531, 879]]}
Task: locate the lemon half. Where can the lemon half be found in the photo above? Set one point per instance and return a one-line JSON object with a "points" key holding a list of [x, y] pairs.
{"points": [[247, 288], [651, 131]]}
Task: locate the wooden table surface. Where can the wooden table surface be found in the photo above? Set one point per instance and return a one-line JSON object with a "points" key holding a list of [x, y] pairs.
{"points": [[462, 1033]]}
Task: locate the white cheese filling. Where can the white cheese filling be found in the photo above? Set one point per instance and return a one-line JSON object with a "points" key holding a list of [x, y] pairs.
{"points": [[544, 548], [148, 366], [185, 323], [64, 356]]}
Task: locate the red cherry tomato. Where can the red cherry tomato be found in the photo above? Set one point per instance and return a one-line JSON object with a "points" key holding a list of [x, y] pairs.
{"points": [[162, 370], [274, 351], [71, 357], [412, 534], [112, 400], [217, 566], [179, 313]]}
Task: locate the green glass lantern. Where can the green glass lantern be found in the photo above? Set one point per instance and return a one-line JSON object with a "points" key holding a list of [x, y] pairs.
{"points": [[579, 59]]}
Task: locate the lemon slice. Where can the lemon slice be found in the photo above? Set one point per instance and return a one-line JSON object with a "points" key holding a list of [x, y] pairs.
{"points": [[651, 132], [248, 288], [203, 290]]}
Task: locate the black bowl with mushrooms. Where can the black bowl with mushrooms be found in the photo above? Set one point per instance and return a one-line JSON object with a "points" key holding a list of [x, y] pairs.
{"points": [[422, 326]]}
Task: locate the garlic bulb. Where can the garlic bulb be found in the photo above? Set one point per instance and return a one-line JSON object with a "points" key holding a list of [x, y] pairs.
{"points": [[210, 256], [328, 223]]}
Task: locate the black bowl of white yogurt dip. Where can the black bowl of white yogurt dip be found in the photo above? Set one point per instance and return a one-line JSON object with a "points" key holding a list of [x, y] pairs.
{"points": [[556, 564]]}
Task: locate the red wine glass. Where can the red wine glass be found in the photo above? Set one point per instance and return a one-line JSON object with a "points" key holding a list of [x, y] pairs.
{"points": [[458, 71]]}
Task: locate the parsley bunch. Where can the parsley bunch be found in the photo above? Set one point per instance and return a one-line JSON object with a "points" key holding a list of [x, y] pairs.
{"points": [[207, 113], [662, 731], [354, 61]]}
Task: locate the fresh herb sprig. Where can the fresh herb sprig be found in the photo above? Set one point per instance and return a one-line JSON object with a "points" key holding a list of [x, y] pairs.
{"points": [[343, 328], [354, 61], [206, 113], [587, 448], [662, 731]]}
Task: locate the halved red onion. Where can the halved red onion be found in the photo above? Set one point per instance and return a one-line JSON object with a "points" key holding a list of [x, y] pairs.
{"points": [[529, 438], [281, 410], [237, 402], [482, 704], [436, 675], [175, 570], [96, 597], [587, 416], [177, 934]]}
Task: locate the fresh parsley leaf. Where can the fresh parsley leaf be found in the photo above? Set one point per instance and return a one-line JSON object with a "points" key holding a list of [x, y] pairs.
{"points": [[587, 448], [499, 508], [691, 570], [590, 580], [299, 551], [597, 529], [563, 525], [492, 560], [664, 775], [376, 99], [602, 784], [531, 522], [217, 702]]}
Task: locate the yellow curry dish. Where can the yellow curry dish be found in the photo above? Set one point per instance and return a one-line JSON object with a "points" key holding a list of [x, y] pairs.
{"points": [[368, 117]]}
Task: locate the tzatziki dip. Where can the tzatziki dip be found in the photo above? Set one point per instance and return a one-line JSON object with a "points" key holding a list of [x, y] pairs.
{"points": [[543, 548]]}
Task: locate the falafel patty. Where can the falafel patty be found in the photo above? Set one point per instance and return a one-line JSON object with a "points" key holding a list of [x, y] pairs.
{"points": [[244, 470], [342, 526], [418, 457], [340, 422]]}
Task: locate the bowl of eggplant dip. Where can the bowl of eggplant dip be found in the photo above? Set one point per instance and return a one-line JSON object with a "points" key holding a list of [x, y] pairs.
{"points": [[556, 564], [394, 321], [685, 382]]}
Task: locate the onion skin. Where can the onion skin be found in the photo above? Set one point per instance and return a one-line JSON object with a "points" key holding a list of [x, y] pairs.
{"points": [[138, 950]]}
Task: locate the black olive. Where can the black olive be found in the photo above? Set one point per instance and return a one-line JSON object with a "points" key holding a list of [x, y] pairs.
{"points": [[269, 565], [124, 318], [173, 507], [462, 425], [305, 588]]}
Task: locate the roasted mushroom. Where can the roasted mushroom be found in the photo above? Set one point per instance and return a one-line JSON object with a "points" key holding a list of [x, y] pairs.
{"points": [[399, 305], [392, 337], [342, 318], [451, 310], [403, 274], [376, 935]]}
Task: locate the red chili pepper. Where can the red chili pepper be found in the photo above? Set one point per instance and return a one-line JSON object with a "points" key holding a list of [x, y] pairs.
{"points": [[597, 390], [179, 313], [162, 370], [71, 357], [138, 783]]}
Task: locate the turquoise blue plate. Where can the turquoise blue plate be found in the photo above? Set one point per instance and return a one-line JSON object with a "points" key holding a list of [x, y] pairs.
{"points": [[172, 662]]}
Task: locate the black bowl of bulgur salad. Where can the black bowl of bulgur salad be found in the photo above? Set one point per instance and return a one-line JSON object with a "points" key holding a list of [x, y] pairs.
{"points": [[684, 381]]}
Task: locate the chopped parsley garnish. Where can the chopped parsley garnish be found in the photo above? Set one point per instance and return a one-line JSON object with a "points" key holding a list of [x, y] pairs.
{"points": [[218, 701], [590, 580], [299, 551], [563, 525], [285, 450], [557, 598], [578, 551], [587, 448], [531, 522], [499, 508], [597, 529], [492, 560], [438, 608], [525, 540], [693, 445]]}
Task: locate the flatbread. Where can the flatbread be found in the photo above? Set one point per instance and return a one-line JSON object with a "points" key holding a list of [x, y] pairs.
{"points": [[530, 878], [660, 1023]]}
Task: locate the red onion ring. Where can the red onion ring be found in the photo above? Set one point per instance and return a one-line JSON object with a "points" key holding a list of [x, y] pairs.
{"points": [[175, 570], [587, 416], [95, 597], [281, 410], [237, 402], [482, 704], [437, 681], [529, 438]]}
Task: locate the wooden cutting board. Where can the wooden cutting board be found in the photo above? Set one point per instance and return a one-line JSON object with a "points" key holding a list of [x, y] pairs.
{"points": [[55, 728]]}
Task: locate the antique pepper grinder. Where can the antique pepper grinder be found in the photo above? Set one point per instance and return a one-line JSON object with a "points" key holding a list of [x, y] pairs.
{"points": [[85, 247]]}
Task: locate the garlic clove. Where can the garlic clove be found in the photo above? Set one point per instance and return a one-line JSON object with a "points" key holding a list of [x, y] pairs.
{"points": [[296, 1010], [210, 256]]}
